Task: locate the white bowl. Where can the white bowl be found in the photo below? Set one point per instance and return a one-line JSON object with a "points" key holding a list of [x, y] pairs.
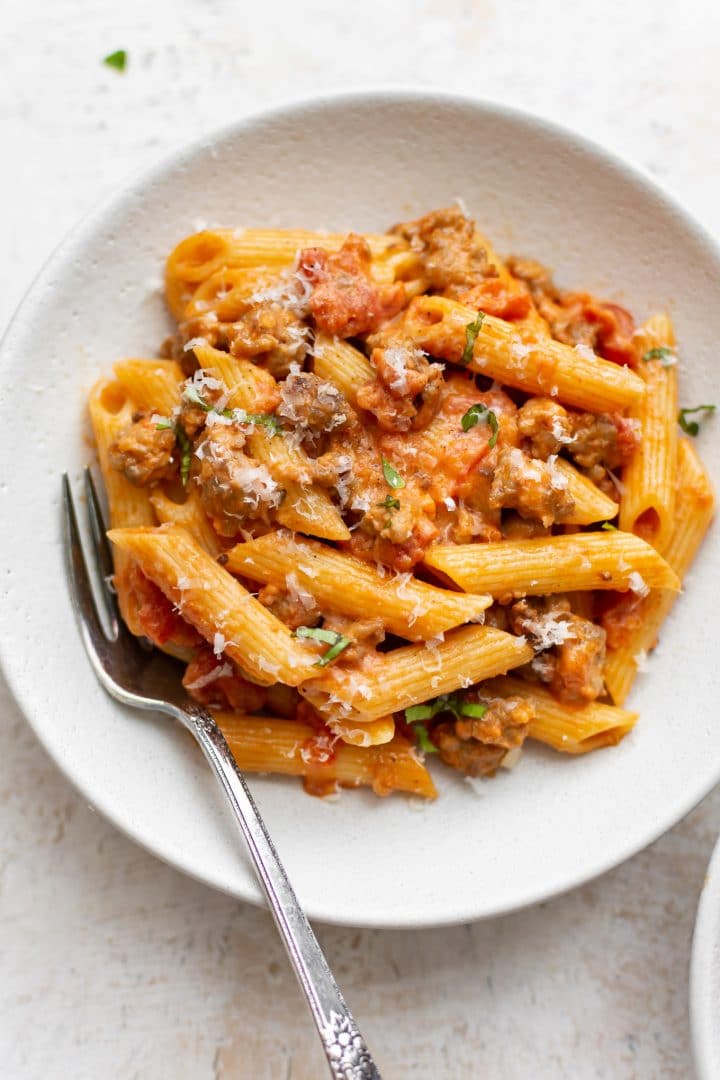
{"points": [[705, 976], [362, 161]]}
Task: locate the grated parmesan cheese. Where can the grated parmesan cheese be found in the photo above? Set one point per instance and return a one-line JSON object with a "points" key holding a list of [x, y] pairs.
{"points": [[641, 660], [220, 672], [638, 584], [298, 592], [585, 351]]}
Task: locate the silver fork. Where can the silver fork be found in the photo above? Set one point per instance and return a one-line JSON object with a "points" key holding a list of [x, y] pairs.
{"points": [[147, 679]]}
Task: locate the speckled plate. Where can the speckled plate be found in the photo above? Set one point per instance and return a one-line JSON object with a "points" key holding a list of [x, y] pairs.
{"points": [[705, 976], [362, 161]]}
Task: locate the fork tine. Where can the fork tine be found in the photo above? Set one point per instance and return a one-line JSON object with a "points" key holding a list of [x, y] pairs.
{"points": [[103, 552], [80, 587]]}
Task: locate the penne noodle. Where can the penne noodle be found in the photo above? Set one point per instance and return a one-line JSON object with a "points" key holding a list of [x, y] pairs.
{"points": [[190, 515], [110, 412], [215, 603], [268, 745], [553, 564], [204, 253], [570, 730], [154, 385], [375, 733], [408, 607], [341, 364], [694, 510], [390, 682], [544, 367], [647, 506], [591, 504]]}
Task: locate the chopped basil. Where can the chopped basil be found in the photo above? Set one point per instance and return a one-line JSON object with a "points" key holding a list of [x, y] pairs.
{"points": [[480, 413], [453, 703], [692, 427], [163, 424], [239, 416], [192, 394], [661, 352], [186, 452], [471, 332], [117, 60], [392, 476], [263, 419], [337, 642], [389, 503], [608, 526], [423, 739]]}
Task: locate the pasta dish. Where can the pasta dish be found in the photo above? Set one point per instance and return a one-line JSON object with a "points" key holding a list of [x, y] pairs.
{"points": [[392, 499]]}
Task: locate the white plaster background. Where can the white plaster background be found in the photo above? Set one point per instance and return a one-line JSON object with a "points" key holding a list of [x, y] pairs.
{"points": [[113, 965]]}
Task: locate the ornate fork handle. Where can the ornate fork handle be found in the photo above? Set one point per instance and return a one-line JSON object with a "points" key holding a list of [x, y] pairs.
{"points": [[347, 1054]]}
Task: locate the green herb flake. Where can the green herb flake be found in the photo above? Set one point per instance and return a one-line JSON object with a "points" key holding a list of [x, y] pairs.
{"points": [[692, 427], [472, 709], [423, 739], [191, 394], [337, 642], [662, 353], [471, 332], [607, 526], [163, 423], [453, 703], [392, 476], [261, 419], [186, 454], [389, 503], [477, 414], [116, 60]]}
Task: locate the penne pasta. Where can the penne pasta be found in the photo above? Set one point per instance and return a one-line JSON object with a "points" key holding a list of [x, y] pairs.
{"points": [[568, 729], [409, 608], [341, 364], [391, 682], [264, 472], [647, 506], [694, 510], [374, 733], [110, 412], [439, 327], [191, 516], [155, 386], [591, 504], [268, 745], [210, 599], [553, 564]]}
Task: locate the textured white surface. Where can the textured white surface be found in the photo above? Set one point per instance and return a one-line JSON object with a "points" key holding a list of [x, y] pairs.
{"points": [[117, 966]]}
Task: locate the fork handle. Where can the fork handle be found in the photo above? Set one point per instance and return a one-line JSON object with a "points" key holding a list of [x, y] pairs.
{"points": [[347, 1054]]}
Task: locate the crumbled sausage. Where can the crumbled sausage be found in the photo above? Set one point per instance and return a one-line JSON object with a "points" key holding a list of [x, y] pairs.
{"points": [[294, 607], [505, 722], [476, 746], [406, 391], [144, 452], [578, 318], [216, 681], [233, 488], [448, 247], [605, 439], [271, 335], [545, 425], [311, 404], [467, 756], [344, 300], [571, 649], [536, 489]]}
